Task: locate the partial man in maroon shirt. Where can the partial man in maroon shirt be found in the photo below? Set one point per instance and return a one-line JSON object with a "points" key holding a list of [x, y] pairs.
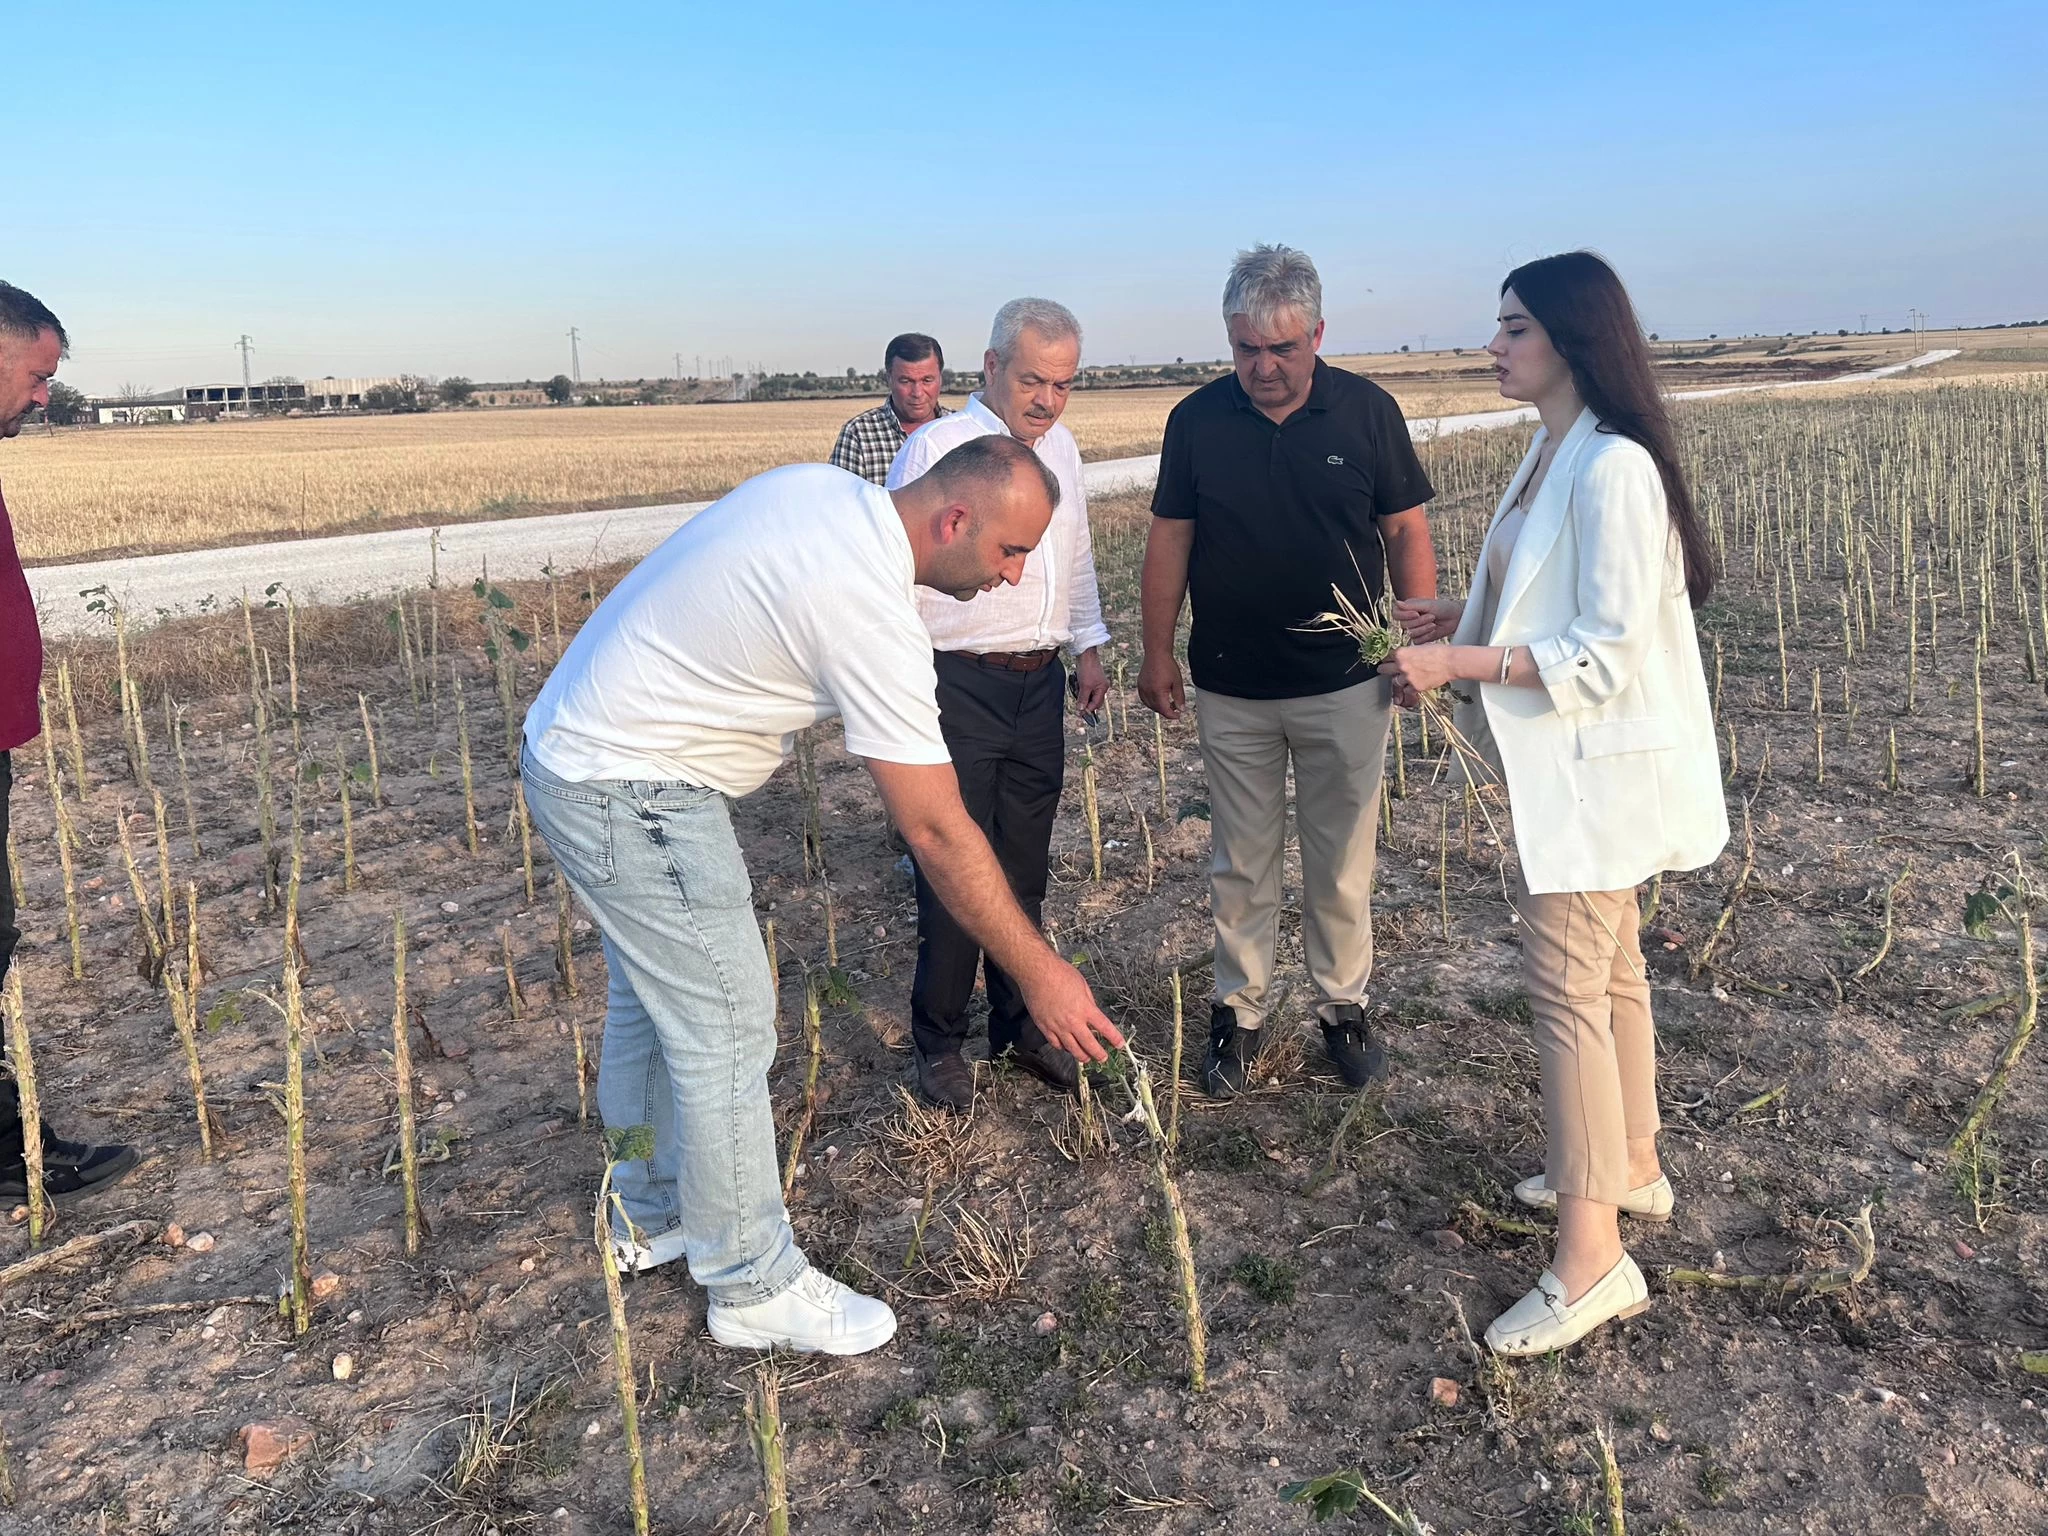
{"points": [[31, 344]]}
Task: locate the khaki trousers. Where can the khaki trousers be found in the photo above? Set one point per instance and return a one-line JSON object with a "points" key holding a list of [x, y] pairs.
{"points": [[1338, 744], [1582, 964]]}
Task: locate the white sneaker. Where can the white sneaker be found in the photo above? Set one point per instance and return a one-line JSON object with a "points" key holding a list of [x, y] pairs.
{"points": [[1543, 1321], [635, 1256], [1652, 1202], [814, 1315]]}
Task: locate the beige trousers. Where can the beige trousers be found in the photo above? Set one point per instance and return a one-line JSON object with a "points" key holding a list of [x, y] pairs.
{"points": [[1338, 744], [1582, 963]]}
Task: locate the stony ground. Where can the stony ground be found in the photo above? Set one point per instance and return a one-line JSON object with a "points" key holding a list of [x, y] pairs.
{"points": [[1039, 1382]]}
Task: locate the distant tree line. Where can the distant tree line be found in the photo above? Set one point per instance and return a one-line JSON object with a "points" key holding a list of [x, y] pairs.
{"points": [[825, 386]]}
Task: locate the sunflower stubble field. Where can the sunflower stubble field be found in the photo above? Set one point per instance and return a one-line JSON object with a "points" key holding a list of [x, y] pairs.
{"points": [[1040, 1381]]}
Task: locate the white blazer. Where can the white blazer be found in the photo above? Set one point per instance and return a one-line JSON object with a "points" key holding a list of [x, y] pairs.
{"points": [[1613, 770]]}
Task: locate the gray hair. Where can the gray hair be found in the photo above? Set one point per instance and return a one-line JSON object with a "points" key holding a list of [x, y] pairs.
{"points": [[1268, 280], [1055, 322]]}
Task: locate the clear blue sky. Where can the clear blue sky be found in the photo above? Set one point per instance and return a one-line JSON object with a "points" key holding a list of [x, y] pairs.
{"points": [[447, 188]]}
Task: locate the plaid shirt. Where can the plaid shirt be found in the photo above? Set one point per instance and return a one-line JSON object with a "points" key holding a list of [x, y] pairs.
{"points": [[867, 444]]}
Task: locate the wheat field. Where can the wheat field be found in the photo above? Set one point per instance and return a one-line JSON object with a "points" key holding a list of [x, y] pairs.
{"points": [[105, 491]]}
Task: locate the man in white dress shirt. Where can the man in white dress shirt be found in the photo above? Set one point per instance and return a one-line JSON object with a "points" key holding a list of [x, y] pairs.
{"points": [[1002, 693]]}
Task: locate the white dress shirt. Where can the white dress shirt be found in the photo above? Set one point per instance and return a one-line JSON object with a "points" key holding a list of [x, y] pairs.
{"points": [[1056, 603]]}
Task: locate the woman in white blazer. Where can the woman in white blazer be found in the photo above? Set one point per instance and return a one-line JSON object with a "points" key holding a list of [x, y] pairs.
{"points": [[1591, 705]]}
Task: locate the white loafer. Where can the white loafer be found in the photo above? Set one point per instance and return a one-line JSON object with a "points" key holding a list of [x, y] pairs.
{"points": [[1543, 1321], [815, 1315], [1652, 1202], [638, 1254]]}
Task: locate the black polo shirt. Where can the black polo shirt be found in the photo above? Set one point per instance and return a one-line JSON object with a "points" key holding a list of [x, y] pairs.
{"points": [[1281, 513]]}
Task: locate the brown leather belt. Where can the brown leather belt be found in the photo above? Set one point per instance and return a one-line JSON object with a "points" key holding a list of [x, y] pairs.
{"points": [[1011, 661]]}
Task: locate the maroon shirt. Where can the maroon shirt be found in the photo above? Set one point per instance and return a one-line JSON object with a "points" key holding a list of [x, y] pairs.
{"points": [[21, 646]]}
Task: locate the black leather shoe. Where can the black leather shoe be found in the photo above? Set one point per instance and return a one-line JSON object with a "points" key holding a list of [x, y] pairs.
{"points": [[1231, 1048], [71, 1169], [1048, 1063], [1348, 1039], [945, 1079]]}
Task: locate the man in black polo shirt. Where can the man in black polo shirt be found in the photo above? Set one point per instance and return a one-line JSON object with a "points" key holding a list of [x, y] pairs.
{"points": [[1276, 482]]}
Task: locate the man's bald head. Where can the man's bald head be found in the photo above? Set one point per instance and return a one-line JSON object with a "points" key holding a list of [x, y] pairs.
{"points": [[976, 513]]}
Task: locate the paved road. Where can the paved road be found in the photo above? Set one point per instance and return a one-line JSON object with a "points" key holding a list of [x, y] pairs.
{"points": [[355, 565]]}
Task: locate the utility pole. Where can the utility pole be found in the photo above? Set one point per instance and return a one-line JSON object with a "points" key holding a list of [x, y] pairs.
{"points": [[575, 361], [248, 405], [679, 367], [1863, 324]]}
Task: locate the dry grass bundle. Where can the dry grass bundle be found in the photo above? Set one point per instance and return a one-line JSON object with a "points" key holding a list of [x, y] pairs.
{"points": [[988, 1257], [921, 1142]]}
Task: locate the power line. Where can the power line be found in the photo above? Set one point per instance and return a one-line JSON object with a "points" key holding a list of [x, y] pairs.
{"points": [[247, 404], [575, 360]]}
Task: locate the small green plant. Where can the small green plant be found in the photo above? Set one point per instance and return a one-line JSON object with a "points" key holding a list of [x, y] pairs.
{"points": [[1338, 1493], [1271, 1280], [1509, 1004], [2009, 903], [1099, 1302], [1977, 1173], [1080, 1494], [1231, 1151], [1714, 1481], [900, 1415]]}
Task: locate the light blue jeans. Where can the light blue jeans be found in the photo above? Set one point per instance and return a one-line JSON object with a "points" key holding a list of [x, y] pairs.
{"points": [[689, 1028]]}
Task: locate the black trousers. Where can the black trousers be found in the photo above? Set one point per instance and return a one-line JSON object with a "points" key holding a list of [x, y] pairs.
{"points": [[1006, 731], [10, 1105]]}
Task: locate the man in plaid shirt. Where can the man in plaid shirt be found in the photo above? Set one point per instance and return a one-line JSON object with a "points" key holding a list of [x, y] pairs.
{"points": [[915, 369]]}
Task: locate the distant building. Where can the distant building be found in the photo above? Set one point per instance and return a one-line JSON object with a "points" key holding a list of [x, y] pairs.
{"points": [[143, 410], [208, 402], [332, 394], [212, 400]]}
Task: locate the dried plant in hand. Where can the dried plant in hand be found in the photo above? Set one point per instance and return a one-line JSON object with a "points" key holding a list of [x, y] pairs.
{"points": [[1371, 628]]}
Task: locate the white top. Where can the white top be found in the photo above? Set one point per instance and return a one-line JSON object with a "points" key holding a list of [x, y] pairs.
{"points": [[787, 601], [1500, 548], [1056, 602], [1612, 766]]}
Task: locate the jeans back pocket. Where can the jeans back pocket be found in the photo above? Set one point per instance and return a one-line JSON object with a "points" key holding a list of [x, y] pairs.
{"points": [[576, 823]]}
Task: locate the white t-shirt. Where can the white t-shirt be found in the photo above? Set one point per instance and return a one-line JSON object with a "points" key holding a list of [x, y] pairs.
{"points": [[789, 600], [1056, 602]]}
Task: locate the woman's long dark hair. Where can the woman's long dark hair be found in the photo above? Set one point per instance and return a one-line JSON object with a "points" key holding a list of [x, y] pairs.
{"points": [[1579, 301]]}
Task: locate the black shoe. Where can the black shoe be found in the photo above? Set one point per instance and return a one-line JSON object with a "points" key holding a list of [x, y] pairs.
{"points": [[1048, 1063], [945, 1079], [1348, 1039], [1231, 1048], [71, 1169]]}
